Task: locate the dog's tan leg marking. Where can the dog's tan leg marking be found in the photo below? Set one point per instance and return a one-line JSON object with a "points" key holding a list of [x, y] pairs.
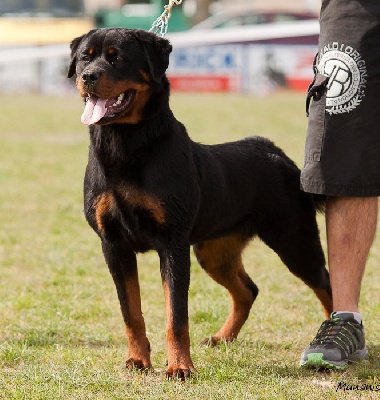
{"points": [[180, 365], [138, 344], [221, 259]]}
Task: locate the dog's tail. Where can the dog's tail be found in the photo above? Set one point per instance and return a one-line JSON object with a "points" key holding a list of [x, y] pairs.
{"points": [[319, 202]]}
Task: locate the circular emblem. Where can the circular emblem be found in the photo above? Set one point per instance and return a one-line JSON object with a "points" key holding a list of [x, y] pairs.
{"points": [[347, 74]]}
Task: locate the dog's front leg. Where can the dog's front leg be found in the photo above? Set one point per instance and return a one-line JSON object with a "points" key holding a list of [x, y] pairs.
{"points": [[175, 273], [123, 267]]}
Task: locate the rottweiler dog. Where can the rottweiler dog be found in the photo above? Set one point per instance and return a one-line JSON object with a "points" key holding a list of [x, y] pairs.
{"points": [[148, 186]]}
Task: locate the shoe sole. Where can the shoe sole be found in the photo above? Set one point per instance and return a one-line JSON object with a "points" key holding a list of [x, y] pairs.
{"points": [[316, 361]]}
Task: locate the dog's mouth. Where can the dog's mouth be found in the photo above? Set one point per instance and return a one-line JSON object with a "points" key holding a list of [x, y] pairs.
{"points": [[97, 109]]}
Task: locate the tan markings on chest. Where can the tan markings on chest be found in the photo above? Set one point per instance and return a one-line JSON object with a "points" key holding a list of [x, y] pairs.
{"points": [[139, 199], [103, 206]]}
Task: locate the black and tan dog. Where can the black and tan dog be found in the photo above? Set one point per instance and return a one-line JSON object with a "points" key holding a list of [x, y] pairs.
{"points": [[148, 186]]}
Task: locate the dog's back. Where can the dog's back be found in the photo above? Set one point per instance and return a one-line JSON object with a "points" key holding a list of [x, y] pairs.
{"points": [[243, 181]]}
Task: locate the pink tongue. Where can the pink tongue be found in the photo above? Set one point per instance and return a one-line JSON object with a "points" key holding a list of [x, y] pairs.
{"points": [[94, 110]]}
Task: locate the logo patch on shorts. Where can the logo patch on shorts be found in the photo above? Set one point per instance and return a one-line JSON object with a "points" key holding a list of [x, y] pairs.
{"points": [[347, 74]]}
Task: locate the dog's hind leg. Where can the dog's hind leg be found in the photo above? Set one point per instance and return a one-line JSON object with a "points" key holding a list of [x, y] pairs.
{"points": [[221, 259], [123, 267], [295, 238]]}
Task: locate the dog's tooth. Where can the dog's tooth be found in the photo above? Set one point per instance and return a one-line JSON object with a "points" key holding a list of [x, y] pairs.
{"points": [[120, 99]]}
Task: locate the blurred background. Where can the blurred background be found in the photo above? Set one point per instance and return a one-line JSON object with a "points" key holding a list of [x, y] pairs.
{"points": [[248, 46]]}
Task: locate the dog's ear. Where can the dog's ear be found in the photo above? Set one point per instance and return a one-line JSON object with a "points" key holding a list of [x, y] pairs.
{"points": [[157, 51], [74, 47]]}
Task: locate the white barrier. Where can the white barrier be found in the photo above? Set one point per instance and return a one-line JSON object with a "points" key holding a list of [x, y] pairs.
{"points": [[245, 34], [247, 59], [10, 55], [34, 68], [231, 59]]}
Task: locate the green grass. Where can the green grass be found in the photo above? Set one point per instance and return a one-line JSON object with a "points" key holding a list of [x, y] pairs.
{"points": [[61, 331]]}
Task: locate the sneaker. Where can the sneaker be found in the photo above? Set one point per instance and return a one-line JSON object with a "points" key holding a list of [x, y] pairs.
{"points": [[339, 340]]}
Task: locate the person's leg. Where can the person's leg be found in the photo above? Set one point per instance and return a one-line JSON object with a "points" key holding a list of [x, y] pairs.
{"points": [[351, 226]]}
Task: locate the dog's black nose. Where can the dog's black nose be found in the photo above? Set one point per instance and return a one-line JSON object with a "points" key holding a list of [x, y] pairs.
{"points": [[90, 77]]}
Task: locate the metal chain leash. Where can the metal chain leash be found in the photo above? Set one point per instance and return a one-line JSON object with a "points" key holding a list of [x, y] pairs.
{"points": [[160, 25]]}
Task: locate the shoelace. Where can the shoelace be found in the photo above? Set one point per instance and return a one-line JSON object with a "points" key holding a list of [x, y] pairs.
{"points": [[338, 331]]}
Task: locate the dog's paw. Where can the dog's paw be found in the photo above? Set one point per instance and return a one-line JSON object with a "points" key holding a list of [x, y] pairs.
{"points": [[180, 373], [210, 341], [133, 363]]}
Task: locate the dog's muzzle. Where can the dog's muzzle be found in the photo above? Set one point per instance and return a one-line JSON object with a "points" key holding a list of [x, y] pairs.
{"points": [[89, 78]]}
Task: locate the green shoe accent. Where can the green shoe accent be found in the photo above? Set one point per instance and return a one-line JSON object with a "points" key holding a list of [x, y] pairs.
{"points": [[315, 360]]}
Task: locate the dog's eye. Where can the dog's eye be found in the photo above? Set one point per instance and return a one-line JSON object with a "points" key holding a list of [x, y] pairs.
{"points": [[85, 57]]}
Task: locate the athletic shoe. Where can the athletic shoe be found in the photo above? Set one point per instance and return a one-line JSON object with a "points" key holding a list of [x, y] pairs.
{"points": [[339, 340]]}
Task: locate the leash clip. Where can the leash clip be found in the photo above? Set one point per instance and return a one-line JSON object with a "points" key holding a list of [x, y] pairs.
{"points": [[160, 25]]}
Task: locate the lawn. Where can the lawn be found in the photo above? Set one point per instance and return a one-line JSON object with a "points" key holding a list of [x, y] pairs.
{"points": [[61, 331]]}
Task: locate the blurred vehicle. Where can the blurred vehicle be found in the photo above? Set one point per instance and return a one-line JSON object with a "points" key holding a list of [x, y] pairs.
{"points": [[46, 8], [36, 22], [249, 17], [140, 14]]}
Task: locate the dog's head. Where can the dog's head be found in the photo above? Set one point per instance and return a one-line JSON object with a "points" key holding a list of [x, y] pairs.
{"points": [[117, 70]]}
